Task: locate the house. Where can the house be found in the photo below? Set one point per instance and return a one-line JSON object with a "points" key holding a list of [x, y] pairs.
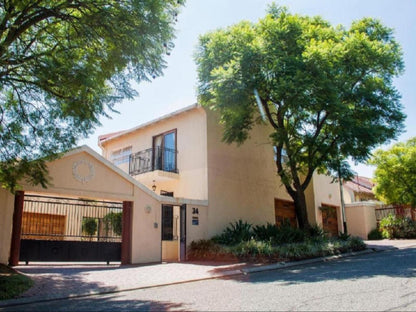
{"points": [[182, 155], [359, 189], [155, 188]]}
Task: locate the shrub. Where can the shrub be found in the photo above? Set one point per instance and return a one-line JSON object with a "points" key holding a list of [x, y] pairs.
{"points": [[265, 232], [375, 234], [356, 244], [89, 226], [288, 234], [252, 248], [397, 227], [203, 249], [343, 236], [234, 233], [315, 232], [113, 220]]}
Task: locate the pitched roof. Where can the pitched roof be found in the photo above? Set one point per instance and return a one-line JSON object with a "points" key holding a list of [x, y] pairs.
{"points": [[360, 185], [109, 136]]}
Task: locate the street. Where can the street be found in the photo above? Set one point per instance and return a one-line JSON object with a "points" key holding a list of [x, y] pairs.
{"points": [[375, 282]]}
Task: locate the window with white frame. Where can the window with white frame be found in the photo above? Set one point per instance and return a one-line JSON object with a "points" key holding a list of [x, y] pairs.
{"points": [[121, 156]]}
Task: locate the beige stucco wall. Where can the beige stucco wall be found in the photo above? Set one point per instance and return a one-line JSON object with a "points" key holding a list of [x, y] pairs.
{"points": [[6, 223], [361, 218], [242, 180], [191, 182], [326, 192], [103, 182], [108, 184]]}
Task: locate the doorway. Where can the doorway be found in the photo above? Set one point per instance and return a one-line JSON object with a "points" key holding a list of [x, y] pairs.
{"points": [[173, 233], [330, 219]]}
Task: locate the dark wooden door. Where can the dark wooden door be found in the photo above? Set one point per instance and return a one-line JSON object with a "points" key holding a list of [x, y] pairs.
{"points": [[285, 212], [330, 219]]}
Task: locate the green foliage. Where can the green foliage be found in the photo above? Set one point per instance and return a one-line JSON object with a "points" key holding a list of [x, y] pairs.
{"points": [[12, 283], [395, 173], [235, 233], [64, 64], [356, 244], [252, 248], [113, 220], [288, 234], [326, 92], [203, 249], [343, 236], [375, 234], [397, 227], [89, 226], [315, 232], [261, 246]]}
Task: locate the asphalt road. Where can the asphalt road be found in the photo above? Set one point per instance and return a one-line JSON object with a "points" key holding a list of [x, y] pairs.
{"points": [[383, 281]]}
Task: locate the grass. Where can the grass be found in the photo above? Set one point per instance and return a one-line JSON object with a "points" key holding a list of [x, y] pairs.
{"points": [[12, 283]]}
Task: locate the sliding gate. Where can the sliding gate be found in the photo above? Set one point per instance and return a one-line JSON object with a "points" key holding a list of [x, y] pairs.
{"points": [[68, 229]]}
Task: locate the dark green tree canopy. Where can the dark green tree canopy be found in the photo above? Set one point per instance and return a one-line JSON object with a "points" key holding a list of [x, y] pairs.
{"points": [[63, 64], [326, 91], [395, 174]]}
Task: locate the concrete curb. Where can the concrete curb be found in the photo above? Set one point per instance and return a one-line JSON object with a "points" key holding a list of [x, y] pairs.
{"points": [[244, 271]]}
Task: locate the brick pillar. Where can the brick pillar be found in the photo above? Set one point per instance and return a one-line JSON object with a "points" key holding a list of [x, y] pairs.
{"points": [[17, 228], [126, 232]]}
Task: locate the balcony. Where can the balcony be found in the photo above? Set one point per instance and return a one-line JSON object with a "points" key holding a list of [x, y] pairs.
{"points": [[152, 159]]}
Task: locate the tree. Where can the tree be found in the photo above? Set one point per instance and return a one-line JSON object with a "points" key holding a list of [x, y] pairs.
{"points": [[326, 91], [63, 65], [395, 175]]}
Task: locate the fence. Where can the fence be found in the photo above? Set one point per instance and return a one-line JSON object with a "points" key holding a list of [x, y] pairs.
{"points": [[405, 211]]}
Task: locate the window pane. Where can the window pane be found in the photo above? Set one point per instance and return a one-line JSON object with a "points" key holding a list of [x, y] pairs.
{"points": [[169, 157], [167, 222]]}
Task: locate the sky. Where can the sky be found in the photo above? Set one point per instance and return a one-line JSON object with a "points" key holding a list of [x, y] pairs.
{"points": [[177, 87]]}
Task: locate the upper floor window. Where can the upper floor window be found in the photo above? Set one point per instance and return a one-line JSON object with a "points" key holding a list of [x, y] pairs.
{"points": [[164, 156], [121, 156]]}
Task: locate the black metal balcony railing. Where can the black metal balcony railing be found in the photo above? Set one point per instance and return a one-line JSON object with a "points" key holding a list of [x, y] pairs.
{"points": [[158, 158]]}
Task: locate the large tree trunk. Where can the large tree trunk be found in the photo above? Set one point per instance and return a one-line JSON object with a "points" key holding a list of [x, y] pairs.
{"points": [[300, 208]]}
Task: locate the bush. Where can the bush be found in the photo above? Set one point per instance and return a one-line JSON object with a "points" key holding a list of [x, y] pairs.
{"points": [[356, 244], [265, 232], [288, 234], [343, 236], [234, 233], [397, 227], [113, 220], [203, 249], [315, 232], [252, 248], [375, 234], [89, 226]]}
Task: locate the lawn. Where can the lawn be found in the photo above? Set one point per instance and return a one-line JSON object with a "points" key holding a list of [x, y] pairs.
{"points": [[12, 283]]}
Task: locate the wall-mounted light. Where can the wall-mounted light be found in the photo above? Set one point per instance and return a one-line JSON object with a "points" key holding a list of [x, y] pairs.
{"points": [[154, 186]]}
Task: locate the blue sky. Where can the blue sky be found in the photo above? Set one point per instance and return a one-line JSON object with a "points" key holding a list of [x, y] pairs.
{"points": [[177, 88]]}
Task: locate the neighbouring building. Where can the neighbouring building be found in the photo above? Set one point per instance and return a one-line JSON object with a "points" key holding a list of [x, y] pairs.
{"points": [[359, 189]]}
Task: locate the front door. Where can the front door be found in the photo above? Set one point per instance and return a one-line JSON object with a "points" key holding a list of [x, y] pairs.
{"points": [[329, 219]]}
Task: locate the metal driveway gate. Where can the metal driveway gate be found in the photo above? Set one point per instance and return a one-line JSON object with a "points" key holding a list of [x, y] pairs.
{"points": [[68, 229]]}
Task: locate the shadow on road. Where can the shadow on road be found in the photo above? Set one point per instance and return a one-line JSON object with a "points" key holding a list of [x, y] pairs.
{"points": [[105, 303], [395, 263]]}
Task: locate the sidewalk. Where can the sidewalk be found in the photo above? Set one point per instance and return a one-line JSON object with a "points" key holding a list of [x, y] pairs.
{"points": [[67, 281]]}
